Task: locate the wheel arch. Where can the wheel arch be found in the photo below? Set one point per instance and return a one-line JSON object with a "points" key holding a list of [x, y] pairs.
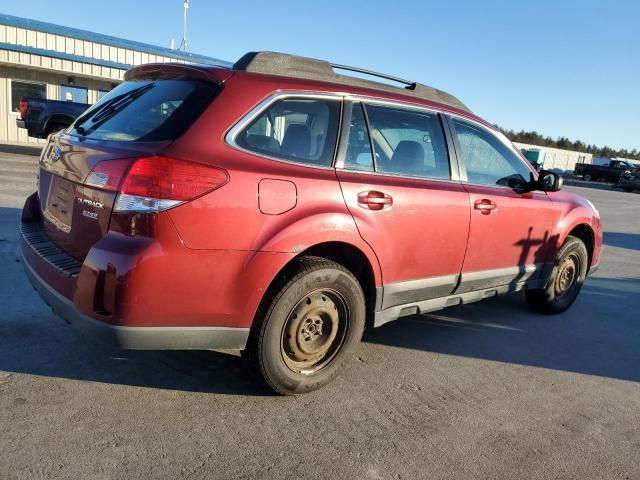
{"points": [[584, 232], [56, 119], [353, 258]]}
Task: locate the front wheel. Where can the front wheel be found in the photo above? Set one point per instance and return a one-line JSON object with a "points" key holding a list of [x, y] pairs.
{"points": [[311, 327], [566, 279], [587, 177]]}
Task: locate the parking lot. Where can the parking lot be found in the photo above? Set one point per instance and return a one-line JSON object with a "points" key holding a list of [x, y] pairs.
{"points": [[488, 390]]}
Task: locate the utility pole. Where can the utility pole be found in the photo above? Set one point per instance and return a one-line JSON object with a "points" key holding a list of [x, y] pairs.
{"points": [[184, 44]]}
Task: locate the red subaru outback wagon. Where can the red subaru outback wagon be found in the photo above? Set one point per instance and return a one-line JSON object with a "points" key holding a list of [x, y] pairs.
{"points": [[280, 207]]}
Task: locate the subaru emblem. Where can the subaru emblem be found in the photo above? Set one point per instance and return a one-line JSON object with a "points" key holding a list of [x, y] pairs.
{"points": [[56, 154]]}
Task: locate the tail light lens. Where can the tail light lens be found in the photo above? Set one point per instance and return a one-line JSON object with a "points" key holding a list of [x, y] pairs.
{"points": [[108, 174], [156, 183], [23, 109]]}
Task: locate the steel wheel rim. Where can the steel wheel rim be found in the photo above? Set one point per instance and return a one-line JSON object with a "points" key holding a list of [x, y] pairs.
{"points": [[315, 329], [567, 277]]}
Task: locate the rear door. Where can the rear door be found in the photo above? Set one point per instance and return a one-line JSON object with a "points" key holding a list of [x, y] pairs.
{"points": [[510, 229], [396, 177]]}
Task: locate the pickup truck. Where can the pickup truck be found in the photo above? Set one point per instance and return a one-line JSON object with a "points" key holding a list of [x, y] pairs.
{"points": [[630, 180], [42, 117], [610, 172]]}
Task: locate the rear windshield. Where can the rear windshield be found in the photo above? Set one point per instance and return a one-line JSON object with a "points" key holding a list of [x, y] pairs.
{"points": [[145, 110]]}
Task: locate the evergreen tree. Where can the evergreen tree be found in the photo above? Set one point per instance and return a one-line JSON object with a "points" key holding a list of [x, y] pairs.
{"points": [[534, 138]]}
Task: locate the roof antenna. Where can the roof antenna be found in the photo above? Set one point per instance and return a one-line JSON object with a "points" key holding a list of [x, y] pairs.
{"points": [[184, 44]]}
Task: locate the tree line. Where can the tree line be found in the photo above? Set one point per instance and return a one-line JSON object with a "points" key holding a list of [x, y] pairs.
{"points": [[534, 138]]}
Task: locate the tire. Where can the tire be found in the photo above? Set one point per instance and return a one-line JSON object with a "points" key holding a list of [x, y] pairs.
{"points": [[565, 281], [587, 177], [310, 329]]}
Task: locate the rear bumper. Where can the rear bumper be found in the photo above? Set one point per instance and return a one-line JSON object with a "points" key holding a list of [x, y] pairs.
{"points": [[139, 338], [20, 123]]}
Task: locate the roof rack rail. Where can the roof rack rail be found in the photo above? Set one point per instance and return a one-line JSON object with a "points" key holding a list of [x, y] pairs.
{"points": [[282, 64], [409, 84]]}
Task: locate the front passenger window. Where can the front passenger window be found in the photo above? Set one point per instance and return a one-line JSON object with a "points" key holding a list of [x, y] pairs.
{"points": [[487, 160]]}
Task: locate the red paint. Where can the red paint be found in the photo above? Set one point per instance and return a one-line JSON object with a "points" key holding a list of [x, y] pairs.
{"points": [[514, 230], [276, 196], [423, 233], [210, 260]]}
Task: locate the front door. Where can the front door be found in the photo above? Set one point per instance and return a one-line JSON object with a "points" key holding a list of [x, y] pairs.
{"points": [[510, 228], [395, 175]]}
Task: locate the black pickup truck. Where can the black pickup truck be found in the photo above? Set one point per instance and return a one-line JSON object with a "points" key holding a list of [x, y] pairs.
{"points": [[609, 172], [41, 117]]}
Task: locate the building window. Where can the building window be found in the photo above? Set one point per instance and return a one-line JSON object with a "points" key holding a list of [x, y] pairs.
{"points": [[21, 89], [71, 93], [102, 93]]}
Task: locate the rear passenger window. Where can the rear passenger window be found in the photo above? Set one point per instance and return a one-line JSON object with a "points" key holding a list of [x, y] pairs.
{"points": [[296, 129], [408, 142], [359, 155]]}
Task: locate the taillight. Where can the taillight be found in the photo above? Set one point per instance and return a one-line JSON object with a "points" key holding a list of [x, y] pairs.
{"points": [[23, 109], [108, 174], [156, 183]]}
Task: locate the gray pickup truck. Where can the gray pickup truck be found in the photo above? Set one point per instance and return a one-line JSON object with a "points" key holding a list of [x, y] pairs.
{"points": [[609, 172]]}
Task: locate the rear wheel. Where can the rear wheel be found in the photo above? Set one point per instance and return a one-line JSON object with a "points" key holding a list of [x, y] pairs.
{"points": [[566, 279], [310, 329], [587, 177]]}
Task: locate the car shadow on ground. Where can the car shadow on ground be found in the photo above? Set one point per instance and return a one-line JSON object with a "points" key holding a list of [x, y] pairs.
{"points": [[598, 335], [34, 149], [630, 241], [35, 341], [44, 345]]}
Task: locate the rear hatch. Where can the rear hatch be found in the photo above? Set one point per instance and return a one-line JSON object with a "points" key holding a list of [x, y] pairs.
{"points": [[81, 169]]}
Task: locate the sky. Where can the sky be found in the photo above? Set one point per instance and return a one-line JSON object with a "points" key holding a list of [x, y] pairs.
{"points": [[562, 68]]}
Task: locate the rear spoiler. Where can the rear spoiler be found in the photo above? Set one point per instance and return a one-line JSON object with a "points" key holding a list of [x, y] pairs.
{"points": [[178, 71]]}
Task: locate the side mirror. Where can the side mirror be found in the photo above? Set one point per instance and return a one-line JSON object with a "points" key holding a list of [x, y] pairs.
{"points": [[549, 181]]}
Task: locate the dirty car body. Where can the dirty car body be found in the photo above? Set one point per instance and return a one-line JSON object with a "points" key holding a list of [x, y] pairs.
{"points": [[171, 214]]}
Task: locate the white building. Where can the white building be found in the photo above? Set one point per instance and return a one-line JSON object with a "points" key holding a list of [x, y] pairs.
{"points": [[558, 159], [60, 63]]}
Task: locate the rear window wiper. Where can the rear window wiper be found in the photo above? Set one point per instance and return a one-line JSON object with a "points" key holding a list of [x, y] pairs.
{"points": [[108, 109]]}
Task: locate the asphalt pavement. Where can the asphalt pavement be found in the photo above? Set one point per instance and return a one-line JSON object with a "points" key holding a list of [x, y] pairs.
{"points": [[488, 390]]}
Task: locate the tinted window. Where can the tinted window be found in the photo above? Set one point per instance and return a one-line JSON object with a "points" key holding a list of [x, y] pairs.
{"points": [[487, 160], [359, 156], [408, 142], [21, 89], [301, 130], [145, 110]]}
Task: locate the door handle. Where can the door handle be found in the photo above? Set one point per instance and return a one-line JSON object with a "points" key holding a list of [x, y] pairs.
{"points": [[374, 200], [485, 206]]}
